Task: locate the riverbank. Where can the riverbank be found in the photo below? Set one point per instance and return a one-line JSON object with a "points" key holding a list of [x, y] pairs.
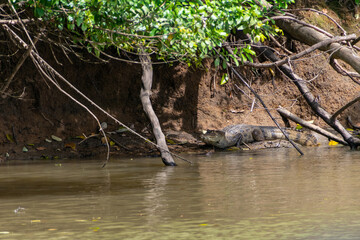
{"points": [[186, 100]]}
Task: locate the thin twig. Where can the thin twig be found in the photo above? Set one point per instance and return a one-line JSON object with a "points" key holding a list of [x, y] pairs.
{"points": [[343, 108], [21, 23], [319, 12], [279, 45], [19, 64], [14, 21], [342, 71]]}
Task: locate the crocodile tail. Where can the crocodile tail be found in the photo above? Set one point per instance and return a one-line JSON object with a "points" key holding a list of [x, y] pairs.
{"points": [[303, 138]]}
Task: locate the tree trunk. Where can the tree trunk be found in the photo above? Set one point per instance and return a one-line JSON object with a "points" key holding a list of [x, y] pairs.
{"points": [[310, 37], [145, 93]]}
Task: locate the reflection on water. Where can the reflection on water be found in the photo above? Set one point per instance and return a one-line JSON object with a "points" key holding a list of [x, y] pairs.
{"points": [[268, 194]]}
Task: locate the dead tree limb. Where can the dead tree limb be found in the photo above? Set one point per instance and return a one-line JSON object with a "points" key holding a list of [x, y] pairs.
{"points": [[310, 37], [147, 79], [285, 113]]}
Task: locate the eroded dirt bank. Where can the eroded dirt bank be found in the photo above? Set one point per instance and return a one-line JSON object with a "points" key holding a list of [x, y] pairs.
{"points": [[186, 100]]}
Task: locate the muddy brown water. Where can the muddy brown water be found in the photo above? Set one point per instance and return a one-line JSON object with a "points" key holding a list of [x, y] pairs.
{"points": [[267, 194]]}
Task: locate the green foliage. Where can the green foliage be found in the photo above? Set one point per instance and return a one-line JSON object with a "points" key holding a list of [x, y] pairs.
{"points": [[187, 30]]}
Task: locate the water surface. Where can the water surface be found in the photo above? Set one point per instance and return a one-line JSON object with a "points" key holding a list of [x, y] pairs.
{"points": [[267, 194]]}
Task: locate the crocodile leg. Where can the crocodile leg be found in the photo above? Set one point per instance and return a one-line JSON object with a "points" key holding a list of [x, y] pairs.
{"points": [[239, 141], [258, 135]]}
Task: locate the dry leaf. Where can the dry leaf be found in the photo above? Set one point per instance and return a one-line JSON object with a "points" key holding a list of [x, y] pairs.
{"points": [[71, 145]]}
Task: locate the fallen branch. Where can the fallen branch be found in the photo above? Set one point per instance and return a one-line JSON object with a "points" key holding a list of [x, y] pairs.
{"points": [[285, 113], [302, 23]]}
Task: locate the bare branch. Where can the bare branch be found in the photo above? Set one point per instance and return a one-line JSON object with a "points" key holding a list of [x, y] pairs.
{"points": [[300, 22], [19, 64], [14, 21], [21, 23], [285, 113], [298, 55], [342, 71], [343, 108], [318, 12]]}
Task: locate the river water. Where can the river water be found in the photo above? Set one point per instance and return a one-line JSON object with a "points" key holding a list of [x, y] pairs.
{"points": [[266, 194]]}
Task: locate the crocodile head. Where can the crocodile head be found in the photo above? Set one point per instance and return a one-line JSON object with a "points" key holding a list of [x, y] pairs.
{"points": [[214, 137]]}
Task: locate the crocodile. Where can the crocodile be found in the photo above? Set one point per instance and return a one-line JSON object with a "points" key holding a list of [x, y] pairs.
{"points": [[235, 135]]}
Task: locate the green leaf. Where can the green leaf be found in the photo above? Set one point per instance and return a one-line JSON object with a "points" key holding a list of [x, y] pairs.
{"points": [[83, 27], [224, 64], [224, 79], [193, 28], [97, 52], [217, 62], [236, 61], [39, 12]]}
